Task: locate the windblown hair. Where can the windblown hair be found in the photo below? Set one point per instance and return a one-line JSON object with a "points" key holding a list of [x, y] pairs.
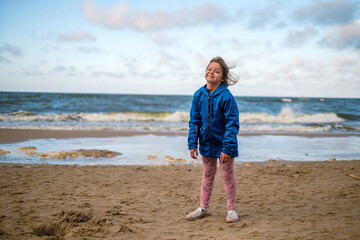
{"points": [[228, 77]]}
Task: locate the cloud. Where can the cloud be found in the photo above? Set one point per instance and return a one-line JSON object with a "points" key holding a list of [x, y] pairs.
{"points": [[263, 17], [12, 50], [162, 39], [60, 69], [298, 38], [3, 60], [89, 50], [33, 73], [345, 63], [123, 16], [343, 36], [107, 74], [76, 36], [327, 12], [69, 71]]}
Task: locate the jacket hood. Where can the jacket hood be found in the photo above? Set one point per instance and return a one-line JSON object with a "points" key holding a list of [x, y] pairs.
{"points": [[221, 88]]}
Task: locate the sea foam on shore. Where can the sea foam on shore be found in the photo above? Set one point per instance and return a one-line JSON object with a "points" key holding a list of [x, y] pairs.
{"points": [[135, 150]]}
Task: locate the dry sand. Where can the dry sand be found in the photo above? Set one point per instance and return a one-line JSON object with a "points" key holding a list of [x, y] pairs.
{"points": [[276, 200]]}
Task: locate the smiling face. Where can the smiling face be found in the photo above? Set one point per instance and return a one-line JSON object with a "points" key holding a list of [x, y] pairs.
{"points": [[214, 74]]}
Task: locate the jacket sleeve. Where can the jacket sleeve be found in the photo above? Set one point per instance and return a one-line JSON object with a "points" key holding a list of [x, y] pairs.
{"points": [[231, 114], [194, 123]]}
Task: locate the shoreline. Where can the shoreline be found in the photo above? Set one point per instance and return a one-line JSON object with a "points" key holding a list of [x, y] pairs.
{"points": [[20, 135]]}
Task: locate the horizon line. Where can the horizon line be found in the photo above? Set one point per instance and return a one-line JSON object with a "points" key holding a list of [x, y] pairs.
{"points": [[167, 94]]}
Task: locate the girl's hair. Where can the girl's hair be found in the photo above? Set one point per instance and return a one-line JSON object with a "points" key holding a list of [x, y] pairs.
{"points": [[229, 78]]}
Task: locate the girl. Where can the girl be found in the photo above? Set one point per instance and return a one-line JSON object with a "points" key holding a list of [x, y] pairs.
{"points": [[214, 122]]}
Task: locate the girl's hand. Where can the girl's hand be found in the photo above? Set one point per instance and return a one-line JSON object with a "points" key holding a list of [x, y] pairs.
{"points": [[224, 157], [194, 153]]}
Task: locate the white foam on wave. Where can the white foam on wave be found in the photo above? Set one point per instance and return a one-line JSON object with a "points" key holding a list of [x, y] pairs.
{"points": [[288, 116], [285, 128], [169, 128], [136, 117], [98, 117], [101, 128]]}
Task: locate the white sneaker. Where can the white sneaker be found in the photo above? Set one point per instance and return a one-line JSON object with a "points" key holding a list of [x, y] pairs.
{"points": [[232, 216], [198, 213]]}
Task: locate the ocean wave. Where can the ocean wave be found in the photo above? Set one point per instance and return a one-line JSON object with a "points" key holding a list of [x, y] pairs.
{"points": [[285, 128], [101, 128], [286, 116], [286, 100], [97, 117], [289, 117], [347, 128], [246, 128]]}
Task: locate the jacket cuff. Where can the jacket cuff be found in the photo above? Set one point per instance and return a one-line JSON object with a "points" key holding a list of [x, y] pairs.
{"points": [[192, 146], [227, 150]]}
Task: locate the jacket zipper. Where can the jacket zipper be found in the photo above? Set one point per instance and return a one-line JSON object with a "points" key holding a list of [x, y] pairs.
{"points": [[208, 125], [212, 109]]}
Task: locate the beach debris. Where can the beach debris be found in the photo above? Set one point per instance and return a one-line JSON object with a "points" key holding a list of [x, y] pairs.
{"points": [[353, 176], [60, 155], [2, 152], [27, 149], [151, 157], [331, 159], [32, 153], [94, 153], [249, 164], [175, 160]]}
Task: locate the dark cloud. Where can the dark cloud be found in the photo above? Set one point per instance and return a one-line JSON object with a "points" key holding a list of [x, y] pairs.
{"points": [[327, 12], [12, 50]]}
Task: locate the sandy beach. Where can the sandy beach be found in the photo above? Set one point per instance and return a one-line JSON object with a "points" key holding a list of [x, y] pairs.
{"points": [[276, 200]]}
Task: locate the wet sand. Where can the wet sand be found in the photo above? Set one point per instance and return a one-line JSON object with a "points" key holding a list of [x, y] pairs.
{"points": [[276, 200], [19, 135]]}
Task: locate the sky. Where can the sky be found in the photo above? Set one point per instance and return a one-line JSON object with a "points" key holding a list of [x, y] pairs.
{"points": [[305, 48]]}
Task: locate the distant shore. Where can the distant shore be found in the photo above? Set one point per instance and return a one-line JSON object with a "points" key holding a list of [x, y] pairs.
{"points": [[20, 135]]}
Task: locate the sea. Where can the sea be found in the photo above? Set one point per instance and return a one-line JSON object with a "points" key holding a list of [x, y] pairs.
{"points": [[67, 111], [170, 113]]}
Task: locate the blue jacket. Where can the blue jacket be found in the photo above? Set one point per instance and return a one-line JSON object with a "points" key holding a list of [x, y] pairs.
{"points": [[214, 122]]}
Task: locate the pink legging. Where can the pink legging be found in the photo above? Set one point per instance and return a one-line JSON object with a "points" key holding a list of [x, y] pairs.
{"points": [[207, 184]]}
